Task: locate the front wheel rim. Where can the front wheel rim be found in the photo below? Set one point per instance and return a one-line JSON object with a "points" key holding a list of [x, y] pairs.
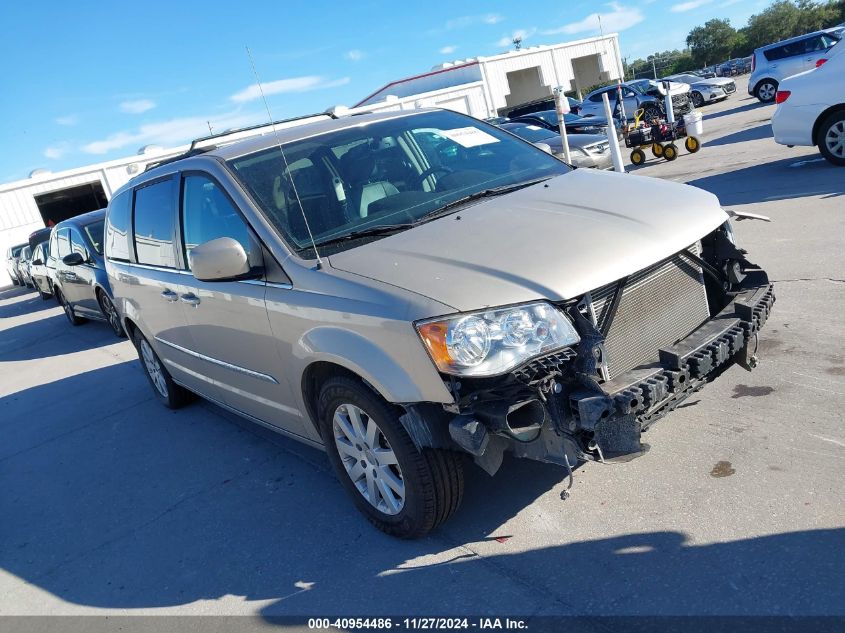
{"points": [[111, 314], [368, 459], [154, 369], [834, 139]]}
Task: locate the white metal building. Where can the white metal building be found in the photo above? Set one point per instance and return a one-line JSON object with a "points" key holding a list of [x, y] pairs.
{"points": [[485, 86]]}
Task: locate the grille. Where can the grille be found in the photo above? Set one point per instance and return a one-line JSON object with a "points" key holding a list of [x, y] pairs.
{"points": [[730, 88], [659, 306]]}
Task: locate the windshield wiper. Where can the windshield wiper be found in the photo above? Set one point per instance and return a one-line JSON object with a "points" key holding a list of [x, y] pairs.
{"points": [[484, 193], [381, 229]]}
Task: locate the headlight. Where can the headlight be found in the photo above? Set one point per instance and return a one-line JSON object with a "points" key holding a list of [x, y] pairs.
{"points": [[491, 342]]}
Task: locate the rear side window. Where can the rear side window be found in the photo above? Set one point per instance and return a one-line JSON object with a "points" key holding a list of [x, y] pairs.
{"points": [[154, 220], [63, 240], [117, 228], [207, 213]]}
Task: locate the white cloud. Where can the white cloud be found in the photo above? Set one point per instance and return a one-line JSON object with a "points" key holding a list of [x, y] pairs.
{"points": [[522, 34], [54, 152], [70, 119], [295, 84], [728, 3], [448, 50], [137, 106], [173, 131], [471, 20], [614, 21], [689, 6], [355, 55]]}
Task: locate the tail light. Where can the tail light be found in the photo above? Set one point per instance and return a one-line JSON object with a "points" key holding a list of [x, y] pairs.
{"points": [[821, 62], [753, 62], [782, 95]]}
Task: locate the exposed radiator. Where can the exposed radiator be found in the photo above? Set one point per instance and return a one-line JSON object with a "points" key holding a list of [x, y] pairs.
{"points": [[659, 306]]}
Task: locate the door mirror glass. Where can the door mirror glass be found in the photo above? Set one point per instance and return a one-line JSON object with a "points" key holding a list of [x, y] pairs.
{"points": [[74, 259], [221, 259]]}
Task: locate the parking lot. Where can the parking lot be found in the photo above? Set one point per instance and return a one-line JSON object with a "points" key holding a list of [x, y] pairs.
{"points": [[112, 504]]}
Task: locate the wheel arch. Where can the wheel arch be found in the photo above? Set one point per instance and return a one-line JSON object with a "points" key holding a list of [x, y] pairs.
{"points": [[840, 107]]}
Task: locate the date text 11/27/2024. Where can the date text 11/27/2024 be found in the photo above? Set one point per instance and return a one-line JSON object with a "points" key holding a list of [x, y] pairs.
{"points": [[417, 623]]}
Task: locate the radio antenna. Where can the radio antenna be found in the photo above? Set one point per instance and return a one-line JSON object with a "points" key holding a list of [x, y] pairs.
{"points": [[284, 158]]}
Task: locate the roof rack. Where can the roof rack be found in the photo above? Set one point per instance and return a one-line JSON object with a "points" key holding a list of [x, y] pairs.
{"points": [[195, 150]]}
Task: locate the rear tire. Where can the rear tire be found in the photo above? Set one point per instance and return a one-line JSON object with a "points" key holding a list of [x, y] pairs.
{"points": [[657, 150], [766, 90], [413, 491], [168, 392], [831, 138]]}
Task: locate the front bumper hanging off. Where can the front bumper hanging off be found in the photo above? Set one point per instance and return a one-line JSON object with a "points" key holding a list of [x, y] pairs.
{"points": [[584, 419]]}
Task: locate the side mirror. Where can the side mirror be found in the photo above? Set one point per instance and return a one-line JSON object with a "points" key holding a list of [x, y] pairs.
{"points": [[74, 259], [37, 262], [545, 147], [222, 259]]}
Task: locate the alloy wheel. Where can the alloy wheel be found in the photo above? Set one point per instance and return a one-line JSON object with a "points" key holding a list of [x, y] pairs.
{"points": [[767, 91], [111, 314], [153, 368], [368, 459], [834, 139]]}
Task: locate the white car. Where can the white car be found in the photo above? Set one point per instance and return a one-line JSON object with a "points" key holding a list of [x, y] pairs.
{"points": [[811, 108], [705, 91]]}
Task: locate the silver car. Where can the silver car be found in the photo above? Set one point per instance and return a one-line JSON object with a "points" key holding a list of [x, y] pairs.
{"points": [[703, 91], [414, 290], [773, 63], [585, 150]]}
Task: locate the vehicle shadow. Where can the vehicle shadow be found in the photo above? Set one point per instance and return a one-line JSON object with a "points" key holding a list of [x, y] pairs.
{"points": [[111, 501], [23, 306], [750, 134], [754, 105], [52, 336], [778, 180]]}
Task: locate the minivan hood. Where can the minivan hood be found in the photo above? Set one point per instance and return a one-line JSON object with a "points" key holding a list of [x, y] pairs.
{"points": [[554, 240]]}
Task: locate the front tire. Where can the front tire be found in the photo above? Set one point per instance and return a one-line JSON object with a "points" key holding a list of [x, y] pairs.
{"points": [[403, 491], [670, 152], [766, 90], [168, 392], [68, 309], [637, 157], [697, 99], [109, 311], [831, 137]]}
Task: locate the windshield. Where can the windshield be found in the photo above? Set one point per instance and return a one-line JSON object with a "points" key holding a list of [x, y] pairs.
{"points": [[95, 235], [391, 172], [16, 251], [531, 133]]}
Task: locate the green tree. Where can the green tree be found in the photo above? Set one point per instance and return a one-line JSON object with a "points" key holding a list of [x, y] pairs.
{"points": [[712, 43], [784, 19]]}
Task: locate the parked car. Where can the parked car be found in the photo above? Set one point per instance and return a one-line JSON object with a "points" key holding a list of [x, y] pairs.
{"points": [[12, 255], [80, 283], [23, 266], [546, 103], [773, 63], [585, 150], [478, 297], [644, 94], [704, 73], [811, 108], [38, 271], [704, 91], [575, 124]]}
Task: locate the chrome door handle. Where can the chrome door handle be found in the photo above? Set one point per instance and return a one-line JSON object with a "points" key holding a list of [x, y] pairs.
{"points": [[169, 295], [190, 299]]}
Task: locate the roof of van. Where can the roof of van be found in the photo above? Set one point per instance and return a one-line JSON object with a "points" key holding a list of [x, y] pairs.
{"points": [[83, 219]]}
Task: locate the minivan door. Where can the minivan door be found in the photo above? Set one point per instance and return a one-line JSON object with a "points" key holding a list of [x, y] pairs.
{"points": [[153, 284], [80, 291], [228, 319]]}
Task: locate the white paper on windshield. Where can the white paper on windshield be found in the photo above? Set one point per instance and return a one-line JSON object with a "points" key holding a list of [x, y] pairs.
{"points": [[533, 127], [469, 136]]}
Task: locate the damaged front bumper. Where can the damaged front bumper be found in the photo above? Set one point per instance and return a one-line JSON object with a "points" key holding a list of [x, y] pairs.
{"points": [[557, 410]]}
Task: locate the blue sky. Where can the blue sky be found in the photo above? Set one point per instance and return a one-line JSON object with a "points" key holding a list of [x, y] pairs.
{"points": [[85, 82]]}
